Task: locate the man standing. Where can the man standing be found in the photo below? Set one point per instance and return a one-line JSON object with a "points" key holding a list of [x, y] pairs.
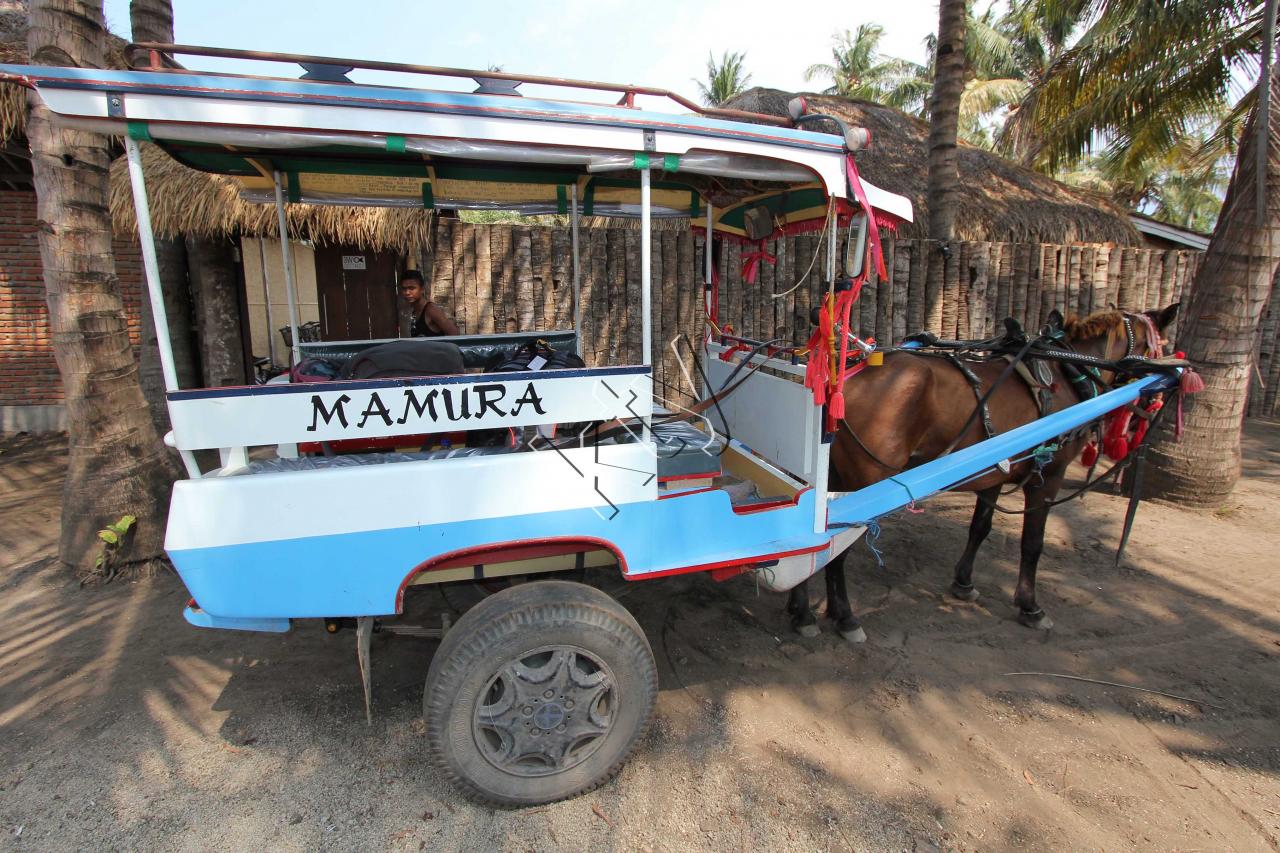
{"points": [[428, 318]]}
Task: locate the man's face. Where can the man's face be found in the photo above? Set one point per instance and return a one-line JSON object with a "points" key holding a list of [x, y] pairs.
{"points": [[410, 290]]}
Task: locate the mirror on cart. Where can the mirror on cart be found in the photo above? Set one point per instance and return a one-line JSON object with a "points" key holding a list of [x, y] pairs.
{"points": [[855, 249]]}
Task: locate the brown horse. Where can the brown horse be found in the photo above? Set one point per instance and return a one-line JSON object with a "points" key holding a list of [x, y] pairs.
{"points": [[912, 409]]}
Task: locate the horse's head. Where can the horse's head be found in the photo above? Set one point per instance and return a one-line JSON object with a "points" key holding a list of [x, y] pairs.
{"points": [[1116, 334]]}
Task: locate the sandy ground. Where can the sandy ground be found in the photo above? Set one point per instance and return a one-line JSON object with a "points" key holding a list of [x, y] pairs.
{"points": [[121, 727]]}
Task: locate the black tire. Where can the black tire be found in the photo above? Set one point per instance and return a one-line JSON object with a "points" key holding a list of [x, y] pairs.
{"points": [[500, 651]]}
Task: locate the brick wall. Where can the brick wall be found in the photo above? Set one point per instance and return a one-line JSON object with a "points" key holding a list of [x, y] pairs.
{"points": [[28, 372]]}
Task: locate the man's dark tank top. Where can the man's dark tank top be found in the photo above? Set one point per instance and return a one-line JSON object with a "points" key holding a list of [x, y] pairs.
{"points": [[420, 328]]}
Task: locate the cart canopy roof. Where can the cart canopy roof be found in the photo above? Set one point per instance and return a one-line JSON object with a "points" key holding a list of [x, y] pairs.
{"points": [[338, 142]]}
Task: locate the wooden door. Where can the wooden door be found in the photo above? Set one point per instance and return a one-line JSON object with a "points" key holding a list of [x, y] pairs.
{"points": [[357, 292]]}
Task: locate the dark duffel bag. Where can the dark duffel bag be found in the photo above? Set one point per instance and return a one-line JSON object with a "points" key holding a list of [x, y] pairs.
{"points": [[536, 356], [410, 357]]}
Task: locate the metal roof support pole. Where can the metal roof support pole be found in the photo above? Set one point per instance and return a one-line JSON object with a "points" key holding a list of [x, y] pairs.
{"points": [[152, 268], [287, 257], [266, 295], [646, 300], [577, 270], [646, 325], [832, 245], [708, 246]]}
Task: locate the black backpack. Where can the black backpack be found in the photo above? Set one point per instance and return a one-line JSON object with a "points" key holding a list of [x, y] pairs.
{"points": [[525, 357]]}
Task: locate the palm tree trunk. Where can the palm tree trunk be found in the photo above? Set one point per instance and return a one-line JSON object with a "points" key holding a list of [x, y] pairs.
{"points": [[151, 20], [117, 465], [215, 287], [171, 257], [1219, 329], [944, 119]]}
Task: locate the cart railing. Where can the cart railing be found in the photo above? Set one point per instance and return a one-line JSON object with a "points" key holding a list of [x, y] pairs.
{"points": [[156, 56]]}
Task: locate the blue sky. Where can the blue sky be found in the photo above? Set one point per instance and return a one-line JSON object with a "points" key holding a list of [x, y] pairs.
{"points": [[661, 43]]}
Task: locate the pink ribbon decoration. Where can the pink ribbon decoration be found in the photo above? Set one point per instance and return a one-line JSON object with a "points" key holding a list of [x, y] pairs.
{"points": [[752, 260], [855, 183]]}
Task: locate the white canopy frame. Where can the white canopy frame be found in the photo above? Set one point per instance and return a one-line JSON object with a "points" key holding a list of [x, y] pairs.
{"points": [[155, 291], [286, 251], [577, 270]]}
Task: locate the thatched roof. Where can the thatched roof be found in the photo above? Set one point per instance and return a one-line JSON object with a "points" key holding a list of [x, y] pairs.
{"points": [[184, 201], [13, 51], [999, 200]]}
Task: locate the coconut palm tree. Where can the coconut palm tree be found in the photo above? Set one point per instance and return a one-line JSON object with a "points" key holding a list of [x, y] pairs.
{"points": [[1184, 186], [726, 79], [944, 116], [858, 70], [1005, 56], [117, 465], [1221, 325], [1140, 76]]}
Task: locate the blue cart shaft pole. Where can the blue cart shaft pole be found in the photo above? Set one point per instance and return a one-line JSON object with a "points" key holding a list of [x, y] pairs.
{"points": [[932, 477]]}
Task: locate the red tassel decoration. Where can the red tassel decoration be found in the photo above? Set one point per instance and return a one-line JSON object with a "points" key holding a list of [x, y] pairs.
{"points": [[837, 405], [1115, 442], [1089, 456], [1190, 382]]}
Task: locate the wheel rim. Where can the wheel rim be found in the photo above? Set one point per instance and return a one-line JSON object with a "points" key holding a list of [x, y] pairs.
{"points": [[545, 711]]}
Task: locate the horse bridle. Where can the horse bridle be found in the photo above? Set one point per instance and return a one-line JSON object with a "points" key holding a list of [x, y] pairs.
{"points": [[1130, 338]]}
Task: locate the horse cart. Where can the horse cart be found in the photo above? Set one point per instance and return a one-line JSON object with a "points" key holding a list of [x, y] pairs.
{"points": [[541, 690]]}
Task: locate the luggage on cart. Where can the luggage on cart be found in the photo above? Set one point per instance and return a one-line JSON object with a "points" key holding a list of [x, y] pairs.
{"points": [[536, 355], [410, 357]]}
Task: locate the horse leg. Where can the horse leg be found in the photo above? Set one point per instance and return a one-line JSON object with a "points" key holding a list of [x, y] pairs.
{"points": [[838, 607], [979, 528], [802, 618], [1037, 513]]}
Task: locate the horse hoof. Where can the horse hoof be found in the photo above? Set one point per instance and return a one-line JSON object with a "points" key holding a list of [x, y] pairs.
{"points": [[964, 593], [1039, 620], [857, 635], [807, 631]]}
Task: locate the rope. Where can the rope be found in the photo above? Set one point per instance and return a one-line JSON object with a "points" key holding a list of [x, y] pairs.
{"points": [[871, 537], [825, 225]]}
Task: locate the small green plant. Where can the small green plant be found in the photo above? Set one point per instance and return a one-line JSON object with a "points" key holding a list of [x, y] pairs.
{"points": [[112, 536]]}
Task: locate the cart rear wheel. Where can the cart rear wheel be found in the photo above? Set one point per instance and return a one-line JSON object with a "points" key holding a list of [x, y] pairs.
{"points": [[539, 693]]}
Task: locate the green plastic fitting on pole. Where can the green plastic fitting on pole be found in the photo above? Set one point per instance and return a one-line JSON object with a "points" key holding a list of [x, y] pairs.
{"points": [[395, 144], [670, 162], [138, 131], [642, 160]]}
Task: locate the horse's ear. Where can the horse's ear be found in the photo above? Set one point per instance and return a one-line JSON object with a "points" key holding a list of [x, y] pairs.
{"points": [[1056, 320], [1163, 317]]}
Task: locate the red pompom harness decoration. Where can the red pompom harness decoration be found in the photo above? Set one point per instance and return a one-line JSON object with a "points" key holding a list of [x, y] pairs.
{"points": [[1120, 435]]}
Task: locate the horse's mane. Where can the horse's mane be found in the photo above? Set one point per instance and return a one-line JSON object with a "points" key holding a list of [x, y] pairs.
{"points": [[1095, 325]]}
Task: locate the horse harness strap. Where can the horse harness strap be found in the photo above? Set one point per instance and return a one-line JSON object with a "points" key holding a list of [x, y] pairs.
{"points": [[1039, 379], [976, 384]]}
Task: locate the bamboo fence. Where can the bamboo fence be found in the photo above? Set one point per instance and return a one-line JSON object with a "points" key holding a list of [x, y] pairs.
{"points": [[516, 278]]}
